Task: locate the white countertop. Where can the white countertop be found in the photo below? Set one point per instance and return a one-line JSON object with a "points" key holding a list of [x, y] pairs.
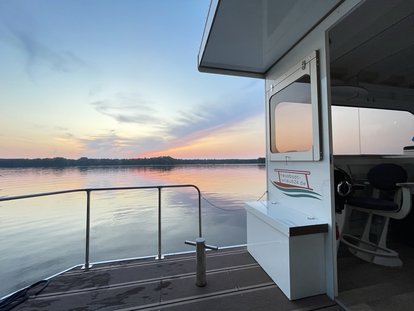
{"points": [[287, 220]]}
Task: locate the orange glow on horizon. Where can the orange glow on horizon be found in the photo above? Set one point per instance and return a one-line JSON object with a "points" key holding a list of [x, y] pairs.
{"points": [[41, 147], [243, 140]]}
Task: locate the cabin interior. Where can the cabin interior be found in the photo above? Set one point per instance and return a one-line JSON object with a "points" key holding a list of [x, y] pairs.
{"points": [[372, 78], [366, 114]]}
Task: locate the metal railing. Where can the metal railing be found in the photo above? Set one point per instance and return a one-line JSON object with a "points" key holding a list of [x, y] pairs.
{"points": [[88, 208]]}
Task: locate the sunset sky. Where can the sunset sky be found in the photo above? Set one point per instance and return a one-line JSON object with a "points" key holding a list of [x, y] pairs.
{"points": [[118, 79]]}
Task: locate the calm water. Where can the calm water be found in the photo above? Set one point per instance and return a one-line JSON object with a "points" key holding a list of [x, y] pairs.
{"points": [[43, 236]]}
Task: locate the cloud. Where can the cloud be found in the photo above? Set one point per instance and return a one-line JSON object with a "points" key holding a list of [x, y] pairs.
{"points": [[129, 109], [105, 142], [38, 54], [64, 133], [117, 146], [19, 30], [222, 112], [197, 123], [125, 114], [186, 128], [96, 90], [183, 128], [61, 128]]}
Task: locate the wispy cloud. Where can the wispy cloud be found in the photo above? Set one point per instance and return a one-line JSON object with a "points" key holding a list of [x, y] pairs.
{"points": [[128, 109], [125, 114], [64, 132], [61, 128], [186, 124], [193, 126], [186, 128], [19, 30], [117, 146], [219, 113], [95, 90], [38, 54]]}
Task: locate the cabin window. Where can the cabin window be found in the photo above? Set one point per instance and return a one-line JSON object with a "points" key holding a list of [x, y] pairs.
{"points": [[294, 124], [289, 135], [371, 131]]}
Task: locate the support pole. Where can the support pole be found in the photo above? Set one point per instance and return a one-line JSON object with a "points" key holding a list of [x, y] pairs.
{"points": [[88, 226], [200, 244], [201, 262], [159, 256]]}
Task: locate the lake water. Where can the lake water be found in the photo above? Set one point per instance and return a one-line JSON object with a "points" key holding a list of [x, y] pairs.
{"points": [[43, 236]]}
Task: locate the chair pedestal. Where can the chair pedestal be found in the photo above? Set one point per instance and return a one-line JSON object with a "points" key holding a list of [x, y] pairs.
{"points": [[386, 179], [377, 253], [371, 252]]}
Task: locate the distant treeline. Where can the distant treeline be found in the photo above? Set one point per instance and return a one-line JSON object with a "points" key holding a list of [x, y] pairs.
{"points": [[165, 161]]}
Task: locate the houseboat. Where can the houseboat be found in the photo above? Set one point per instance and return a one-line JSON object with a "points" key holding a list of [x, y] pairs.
{"points": [[335, 230], [339, 100]]}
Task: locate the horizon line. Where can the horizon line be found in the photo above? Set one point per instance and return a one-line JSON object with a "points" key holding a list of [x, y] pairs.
{"points": [[134, 158]]}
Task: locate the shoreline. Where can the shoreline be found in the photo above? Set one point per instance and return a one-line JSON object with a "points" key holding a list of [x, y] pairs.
{"points": [[143, 162]]}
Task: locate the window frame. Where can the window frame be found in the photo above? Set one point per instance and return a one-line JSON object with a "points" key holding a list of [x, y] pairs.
{"points": [[308, 66]]}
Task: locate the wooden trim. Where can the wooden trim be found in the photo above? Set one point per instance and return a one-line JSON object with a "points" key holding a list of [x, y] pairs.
{"points": [[304, 230]]}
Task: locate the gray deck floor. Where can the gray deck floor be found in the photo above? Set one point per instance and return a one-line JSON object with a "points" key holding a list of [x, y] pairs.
{"points": [[234, 282], [369, 287]]}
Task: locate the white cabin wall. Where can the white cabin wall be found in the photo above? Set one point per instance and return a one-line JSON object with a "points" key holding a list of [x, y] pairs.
{"points": [[321, 171], [320, 177]]}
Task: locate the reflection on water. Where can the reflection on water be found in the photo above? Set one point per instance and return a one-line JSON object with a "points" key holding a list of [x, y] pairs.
{"points": [[42, 236]]}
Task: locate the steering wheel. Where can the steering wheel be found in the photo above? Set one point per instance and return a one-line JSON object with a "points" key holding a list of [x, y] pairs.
{"points": [[343, 188]]}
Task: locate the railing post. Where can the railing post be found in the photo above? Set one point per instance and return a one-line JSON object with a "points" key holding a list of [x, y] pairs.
{"points": [[88, 191], [159, 256], [199, 213], [88, 223]]}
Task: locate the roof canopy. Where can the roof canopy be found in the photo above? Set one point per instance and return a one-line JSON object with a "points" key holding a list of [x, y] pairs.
{"points": [[245, 37]]}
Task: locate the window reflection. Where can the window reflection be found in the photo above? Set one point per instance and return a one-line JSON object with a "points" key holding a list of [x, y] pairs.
{"points": [[291, 118], [293, 127]]}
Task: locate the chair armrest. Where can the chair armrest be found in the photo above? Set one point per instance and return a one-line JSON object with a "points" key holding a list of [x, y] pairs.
{"points": [[406, 184], [409, 185]]}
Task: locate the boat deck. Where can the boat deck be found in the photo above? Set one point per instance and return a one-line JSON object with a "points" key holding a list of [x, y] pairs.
{"points": [[370, 287], [234, 282]]}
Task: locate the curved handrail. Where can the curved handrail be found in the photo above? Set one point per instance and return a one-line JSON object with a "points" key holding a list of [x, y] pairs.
{"points": [[88, 192]]}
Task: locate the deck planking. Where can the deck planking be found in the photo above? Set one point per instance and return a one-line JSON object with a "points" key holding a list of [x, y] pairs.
{"points": [[235, 281]]}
